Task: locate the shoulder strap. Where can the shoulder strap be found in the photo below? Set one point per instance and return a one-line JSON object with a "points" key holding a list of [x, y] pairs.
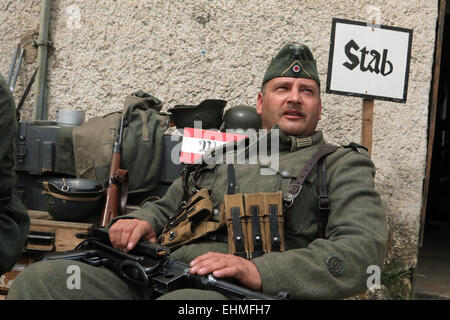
{"points": [[185, 174], [296, 186], [324, 200], [231, 186]]}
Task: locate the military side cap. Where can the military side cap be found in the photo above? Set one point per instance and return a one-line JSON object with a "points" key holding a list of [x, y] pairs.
{"points": [[293, 60]]}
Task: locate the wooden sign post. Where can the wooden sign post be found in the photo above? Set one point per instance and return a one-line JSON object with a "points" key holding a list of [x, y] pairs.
{"points": [[367, 124], [371, 61], [367, 120]]}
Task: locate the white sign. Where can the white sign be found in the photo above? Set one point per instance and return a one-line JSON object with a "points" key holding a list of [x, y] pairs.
{"points": [[370, 61], [196, 142]]}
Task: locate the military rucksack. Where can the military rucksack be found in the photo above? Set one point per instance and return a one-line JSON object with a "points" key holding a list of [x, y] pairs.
{"points": [[142, 143]]}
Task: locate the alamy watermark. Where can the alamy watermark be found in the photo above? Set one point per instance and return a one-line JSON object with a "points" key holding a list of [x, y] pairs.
{"points": [[74, 280], [73, 14], [374, 280], [374, 17]]}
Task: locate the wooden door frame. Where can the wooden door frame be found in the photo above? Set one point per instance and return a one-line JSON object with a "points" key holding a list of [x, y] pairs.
{"points": [[433, 112]]}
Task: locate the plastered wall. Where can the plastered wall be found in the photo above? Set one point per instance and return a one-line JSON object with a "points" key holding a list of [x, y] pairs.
{"points": [[185, 51]]}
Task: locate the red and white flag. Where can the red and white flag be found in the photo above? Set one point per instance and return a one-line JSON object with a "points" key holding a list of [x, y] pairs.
{"points": [[196, 142]]}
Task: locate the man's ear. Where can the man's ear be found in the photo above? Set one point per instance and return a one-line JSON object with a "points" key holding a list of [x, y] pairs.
{"points": [[259, 102], [320, 106]]}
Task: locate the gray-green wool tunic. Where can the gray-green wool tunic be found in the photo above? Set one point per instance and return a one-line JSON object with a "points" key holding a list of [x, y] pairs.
{"points": [[311, 267], [14, 220]]}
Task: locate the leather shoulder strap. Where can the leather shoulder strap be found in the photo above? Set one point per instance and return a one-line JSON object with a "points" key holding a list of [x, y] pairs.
{"points": [[324, 199], [296, 186]]}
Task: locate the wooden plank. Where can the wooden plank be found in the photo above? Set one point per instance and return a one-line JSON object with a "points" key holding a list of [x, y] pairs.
{"points": [[65, 232], [433, 112], [367, 124], [44, 218], [65, 239], [7, 278]]}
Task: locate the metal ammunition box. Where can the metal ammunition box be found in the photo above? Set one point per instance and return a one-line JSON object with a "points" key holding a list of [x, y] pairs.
{"points": [[36, 146], [36, 160]]}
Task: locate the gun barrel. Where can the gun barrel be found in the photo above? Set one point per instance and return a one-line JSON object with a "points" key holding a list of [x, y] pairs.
{"points": [[176, 271], [237, 291], [76, 254], [122, 125], [116, 176], [119, 135]]}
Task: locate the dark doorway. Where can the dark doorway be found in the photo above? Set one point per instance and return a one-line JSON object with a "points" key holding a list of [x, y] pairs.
{"points": [[432, 279]]}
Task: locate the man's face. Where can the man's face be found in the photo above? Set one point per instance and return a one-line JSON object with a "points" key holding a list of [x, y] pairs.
{"points": [[293, 103]]}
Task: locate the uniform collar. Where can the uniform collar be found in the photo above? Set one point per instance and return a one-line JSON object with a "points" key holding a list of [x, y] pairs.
{"points": [[293, 143], [286, 143]]}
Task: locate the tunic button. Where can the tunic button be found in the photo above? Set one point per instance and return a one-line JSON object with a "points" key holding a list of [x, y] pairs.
{"points": [[335, 265]]}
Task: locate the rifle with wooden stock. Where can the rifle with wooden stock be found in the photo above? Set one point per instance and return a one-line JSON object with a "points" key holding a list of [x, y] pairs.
{"points": [[117, 189]]}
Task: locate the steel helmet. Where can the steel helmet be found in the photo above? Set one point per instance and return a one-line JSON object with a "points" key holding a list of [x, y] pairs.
{"points": [[73, 199], [241, 117]]}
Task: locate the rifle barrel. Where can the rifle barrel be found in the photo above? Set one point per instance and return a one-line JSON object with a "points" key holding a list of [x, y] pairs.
{"points": [[111, 208]]}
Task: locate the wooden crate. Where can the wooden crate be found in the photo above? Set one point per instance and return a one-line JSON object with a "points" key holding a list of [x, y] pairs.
{"points": [[7, 279], [65, 238], [65, 232]]}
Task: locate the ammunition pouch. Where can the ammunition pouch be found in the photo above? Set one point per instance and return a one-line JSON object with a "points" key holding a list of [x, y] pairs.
{"points": [[255, 223], [191, 223]]}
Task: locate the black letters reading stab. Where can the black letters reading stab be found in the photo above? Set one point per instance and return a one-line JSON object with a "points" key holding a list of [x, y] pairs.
{"points": [[377, 63]]}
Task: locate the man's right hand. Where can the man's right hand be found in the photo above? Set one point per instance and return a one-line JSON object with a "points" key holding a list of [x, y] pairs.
{"points": [[124, 234]]}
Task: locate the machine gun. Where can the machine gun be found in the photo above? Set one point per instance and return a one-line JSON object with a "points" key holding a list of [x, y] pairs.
{"points": [[148, 264], [117, 182]]}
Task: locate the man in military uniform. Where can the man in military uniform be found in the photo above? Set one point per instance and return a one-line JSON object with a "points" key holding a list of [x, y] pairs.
{"points": [[321, 258], [14, 220]]}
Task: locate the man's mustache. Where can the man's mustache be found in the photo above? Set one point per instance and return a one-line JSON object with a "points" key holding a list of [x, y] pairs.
{"points": [[293, 109]]}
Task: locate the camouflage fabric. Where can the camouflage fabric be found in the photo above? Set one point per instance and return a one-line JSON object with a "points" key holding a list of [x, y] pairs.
{"points": [[14, 220]]}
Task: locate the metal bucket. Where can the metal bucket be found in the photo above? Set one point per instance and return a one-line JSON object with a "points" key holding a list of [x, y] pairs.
{"points": [[70, 118]]}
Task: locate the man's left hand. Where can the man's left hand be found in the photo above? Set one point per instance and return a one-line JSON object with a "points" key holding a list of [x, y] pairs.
{"points": [[228, 265]]}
